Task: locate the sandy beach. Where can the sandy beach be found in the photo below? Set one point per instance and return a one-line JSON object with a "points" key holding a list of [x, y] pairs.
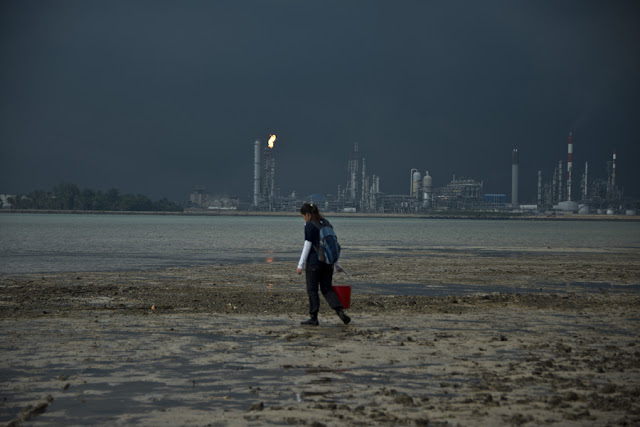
{"points": [[546, 339]]}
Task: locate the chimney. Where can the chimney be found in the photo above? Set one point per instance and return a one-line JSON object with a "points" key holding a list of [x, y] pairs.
{"points": [[514, 177]]}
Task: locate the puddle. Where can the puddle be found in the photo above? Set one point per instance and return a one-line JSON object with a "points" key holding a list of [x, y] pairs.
{"points": [[412, 289]]}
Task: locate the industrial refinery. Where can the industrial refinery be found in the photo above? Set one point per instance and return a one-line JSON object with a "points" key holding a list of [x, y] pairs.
{"points": [[587, 196], [568, 189], [362, 192]]}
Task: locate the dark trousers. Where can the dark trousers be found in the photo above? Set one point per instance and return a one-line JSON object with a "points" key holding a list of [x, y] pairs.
{"points": [[320, 276]]}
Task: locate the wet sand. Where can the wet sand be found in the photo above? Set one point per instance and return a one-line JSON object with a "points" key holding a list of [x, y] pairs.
{"points": [[222, 345]]}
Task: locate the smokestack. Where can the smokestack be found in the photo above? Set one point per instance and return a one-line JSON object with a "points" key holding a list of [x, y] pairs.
{"points": [[268, 174], [272, 185], [554, 185], [363, 195], [352, 188], [514, 177], [569, 165], [256, 173], [560, 181], [586, 181], [272, 174], [613, 173], [539, 189]]}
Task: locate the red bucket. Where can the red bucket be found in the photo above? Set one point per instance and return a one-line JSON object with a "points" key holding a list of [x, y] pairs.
{"points": [[344, 295]]}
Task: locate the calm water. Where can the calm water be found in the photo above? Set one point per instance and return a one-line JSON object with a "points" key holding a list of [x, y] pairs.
{"points": [[59, 243]]}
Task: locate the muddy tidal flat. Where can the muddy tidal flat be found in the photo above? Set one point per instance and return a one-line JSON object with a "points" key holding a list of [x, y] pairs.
{"points": [[526, 339]]}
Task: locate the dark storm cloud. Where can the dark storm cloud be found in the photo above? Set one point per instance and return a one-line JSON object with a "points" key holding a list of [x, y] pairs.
{"points": [[155, 97]]}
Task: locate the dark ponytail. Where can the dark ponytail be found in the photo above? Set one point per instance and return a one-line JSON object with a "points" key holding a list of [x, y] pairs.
{"points": [[310, 208]]}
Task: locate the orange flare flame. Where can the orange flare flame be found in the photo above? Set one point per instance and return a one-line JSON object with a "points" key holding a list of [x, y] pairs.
{"points": [[272, 140]]}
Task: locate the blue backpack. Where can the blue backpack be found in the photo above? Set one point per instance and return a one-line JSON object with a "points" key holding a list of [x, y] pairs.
{"points": [[329, 250]]}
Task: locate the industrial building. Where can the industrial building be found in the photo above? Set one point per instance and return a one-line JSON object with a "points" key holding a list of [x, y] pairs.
{"points": [[199, 198], [595, 195], [361, 192]]}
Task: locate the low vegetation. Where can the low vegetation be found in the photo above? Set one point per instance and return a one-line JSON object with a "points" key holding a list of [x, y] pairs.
{"points": [[66, 196]]}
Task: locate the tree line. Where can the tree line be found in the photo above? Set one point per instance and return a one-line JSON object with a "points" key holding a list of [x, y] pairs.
{"points": [[65, 196]]}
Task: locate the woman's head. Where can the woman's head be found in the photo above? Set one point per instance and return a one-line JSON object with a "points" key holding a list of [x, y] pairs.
{"points": [[310, 212]]}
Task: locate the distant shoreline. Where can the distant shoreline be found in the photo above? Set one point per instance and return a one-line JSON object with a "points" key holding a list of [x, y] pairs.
{"points": [[440, 215]]}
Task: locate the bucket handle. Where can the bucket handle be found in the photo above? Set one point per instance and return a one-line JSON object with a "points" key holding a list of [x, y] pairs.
{"points": [[348, 277]]}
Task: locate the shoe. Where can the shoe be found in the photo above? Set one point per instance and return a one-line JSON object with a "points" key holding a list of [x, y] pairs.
{"points": [[312, 322], [343, 316]]}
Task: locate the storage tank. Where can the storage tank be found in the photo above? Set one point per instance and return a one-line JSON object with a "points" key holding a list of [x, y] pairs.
{"points": [[584, 210], [415, 189], [568, 206], [427, 188]]}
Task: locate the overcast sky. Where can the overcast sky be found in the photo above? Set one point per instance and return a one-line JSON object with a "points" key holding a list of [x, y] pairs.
{"points": [[155, 97]]}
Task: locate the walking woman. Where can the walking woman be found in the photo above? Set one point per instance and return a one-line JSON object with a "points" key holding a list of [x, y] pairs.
{"points": [[318, 273]]}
